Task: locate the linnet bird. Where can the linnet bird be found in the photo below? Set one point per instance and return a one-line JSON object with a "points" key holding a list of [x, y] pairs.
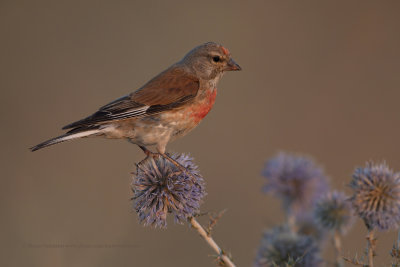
{"points": [[167, 107]]}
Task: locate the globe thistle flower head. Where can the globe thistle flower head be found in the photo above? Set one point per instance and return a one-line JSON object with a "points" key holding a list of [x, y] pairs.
{"points": [[376, 196], [307, 225], [334, 212], [281, 247], [297, 180], [160, 188]]}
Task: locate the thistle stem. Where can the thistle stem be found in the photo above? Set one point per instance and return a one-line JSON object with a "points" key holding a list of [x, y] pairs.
{"points": [[398, 239], [210, 241], [291, 221], [337, 244], [395, 253], [370, 247]]}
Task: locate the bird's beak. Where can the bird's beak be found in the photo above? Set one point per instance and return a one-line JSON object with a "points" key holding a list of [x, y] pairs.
{"points": [[232, 65]]}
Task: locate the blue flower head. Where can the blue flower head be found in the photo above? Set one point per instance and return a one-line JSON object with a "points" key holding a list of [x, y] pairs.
{"points": [[376, 196], [160, 188], [307, 225], [281, 247], [334, 212], [297, 180]]}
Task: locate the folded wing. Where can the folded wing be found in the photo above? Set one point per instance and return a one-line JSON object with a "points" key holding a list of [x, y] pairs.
{"points": [[170, 89]]}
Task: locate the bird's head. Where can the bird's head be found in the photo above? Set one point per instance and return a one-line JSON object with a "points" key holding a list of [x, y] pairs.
{"points": [[209, 61]]}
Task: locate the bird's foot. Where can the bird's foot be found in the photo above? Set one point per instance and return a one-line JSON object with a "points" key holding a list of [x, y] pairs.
{"points": [[167, 157], [148, 154], [178, 165]]}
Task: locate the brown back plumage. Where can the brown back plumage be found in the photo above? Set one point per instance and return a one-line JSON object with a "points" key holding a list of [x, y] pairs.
{"points": [[166, 91], [166, 88]]}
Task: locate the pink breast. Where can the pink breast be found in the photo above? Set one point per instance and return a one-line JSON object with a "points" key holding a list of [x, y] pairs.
{"points": [[200, 110]]}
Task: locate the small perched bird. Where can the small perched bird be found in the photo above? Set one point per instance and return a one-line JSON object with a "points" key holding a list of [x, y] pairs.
{"points": [[167, 107]]}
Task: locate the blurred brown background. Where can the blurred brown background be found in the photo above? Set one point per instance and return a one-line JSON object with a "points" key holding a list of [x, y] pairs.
{"points": [[318, 77]]}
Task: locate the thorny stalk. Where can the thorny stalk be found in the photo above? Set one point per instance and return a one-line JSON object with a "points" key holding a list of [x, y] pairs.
{"points": [[369, 252], [398, 239], [213, 221], [371, 243], [395, 253], [223, 258], [355, 261]]}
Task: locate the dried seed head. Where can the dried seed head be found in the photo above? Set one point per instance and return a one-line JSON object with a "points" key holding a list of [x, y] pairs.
{"points": [[376, 196]]}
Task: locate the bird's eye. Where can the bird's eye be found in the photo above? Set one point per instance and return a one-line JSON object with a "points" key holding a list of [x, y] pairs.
{"points": [[216, 58]]}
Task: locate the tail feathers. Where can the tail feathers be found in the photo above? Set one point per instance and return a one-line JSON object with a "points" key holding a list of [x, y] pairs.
{"points": [[65, 137]]}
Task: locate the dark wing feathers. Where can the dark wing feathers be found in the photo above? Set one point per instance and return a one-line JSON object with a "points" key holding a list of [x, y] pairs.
{"points": [[166, 91], [118, 109]]}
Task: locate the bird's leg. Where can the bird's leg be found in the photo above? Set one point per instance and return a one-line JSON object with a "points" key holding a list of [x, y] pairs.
{"points": [[178, 165], [148, 154], [145, 150], [165, 156], [161, 151]]}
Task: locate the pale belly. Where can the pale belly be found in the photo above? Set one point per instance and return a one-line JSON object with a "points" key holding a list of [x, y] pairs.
{"points": [[166, 128]]}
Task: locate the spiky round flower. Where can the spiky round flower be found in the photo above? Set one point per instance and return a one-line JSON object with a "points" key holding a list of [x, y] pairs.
{"points": [[334, 212], [297, 180], [160, 188], [376, 197], [281, 247], [307, 225]]}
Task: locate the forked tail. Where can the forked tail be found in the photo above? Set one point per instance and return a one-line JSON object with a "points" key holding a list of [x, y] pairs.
{"points": [[73, 134]]}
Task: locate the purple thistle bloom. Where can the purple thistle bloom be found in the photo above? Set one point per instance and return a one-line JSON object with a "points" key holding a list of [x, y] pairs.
{"points": [[281, 247], [307, 225], [160, 188], [376, 197], [334, 212], [297, 180]]}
